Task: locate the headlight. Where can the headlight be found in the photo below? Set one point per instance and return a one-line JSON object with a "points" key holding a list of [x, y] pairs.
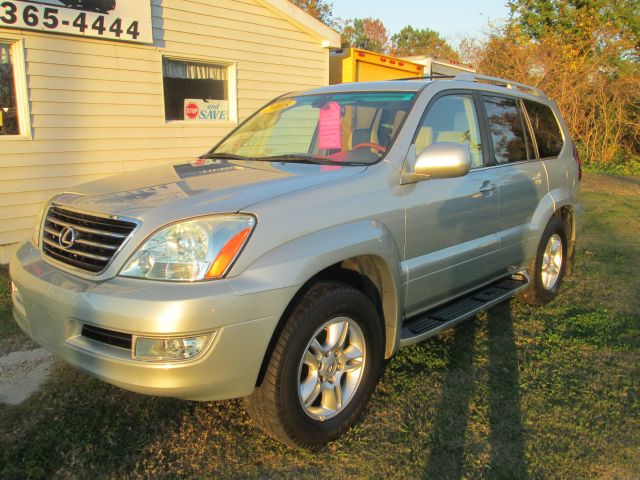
{"points": [[199, 249]]}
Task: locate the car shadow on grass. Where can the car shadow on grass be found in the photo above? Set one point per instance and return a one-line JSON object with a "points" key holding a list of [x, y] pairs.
{"points": [[448, 440]]}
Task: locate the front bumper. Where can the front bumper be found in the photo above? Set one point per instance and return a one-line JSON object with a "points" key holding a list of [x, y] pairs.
{"points": [[52, 306]]}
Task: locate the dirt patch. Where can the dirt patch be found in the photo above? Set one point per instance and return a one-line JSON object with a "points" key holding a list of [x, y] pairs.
{"points": [[16, 342], [614, 184], [22, 373]]}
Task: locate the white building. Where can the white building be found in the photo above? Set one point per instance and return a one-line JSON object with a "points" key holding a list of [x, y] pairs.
{"points": [[90, 88]]}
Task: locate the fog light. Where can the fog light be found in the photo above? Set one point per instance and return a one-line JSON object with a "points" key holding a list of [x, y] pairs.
{"points": [[155, 349]]}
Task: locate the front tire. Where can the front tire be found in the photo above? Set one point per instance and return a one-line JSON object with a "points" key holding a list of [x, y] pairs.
{"points": [[324, 367], [548, 267]]}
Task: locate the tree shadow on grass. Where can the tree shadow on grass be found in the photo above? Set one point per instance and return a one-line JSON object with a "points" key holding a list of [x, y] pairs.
{"points": [[507, 443], [447, 458], [452, 418]]}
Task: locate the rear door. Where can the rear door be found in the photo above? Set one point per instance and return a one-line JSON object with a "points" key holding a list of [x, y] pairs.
{"points": [[522, 178]]}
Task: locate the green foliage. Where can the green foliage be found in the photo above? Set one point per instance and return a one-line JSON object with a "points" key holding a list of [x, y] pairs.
{"points": [[365, 33], [585, 55], [415, 41], [371, 34], [605, 26], [619, 166]]}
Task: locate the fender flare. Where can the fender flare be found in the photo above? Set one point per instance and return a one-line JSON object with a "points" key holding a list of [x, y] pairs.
{"points": [[298, 262]]}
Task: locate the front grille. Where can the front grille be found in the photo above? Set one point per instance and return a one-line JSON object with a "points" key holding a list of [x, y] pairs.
{"points": [[88, 241], [117, 339]]}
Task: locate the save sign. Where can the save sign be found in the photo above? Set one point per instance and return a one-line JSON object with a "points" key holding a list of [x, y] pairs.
{"points": [[198, 109]]}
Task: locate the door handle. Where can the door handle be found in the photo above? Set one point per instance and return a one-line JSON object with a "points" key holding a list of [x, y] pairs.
{"points": [[487, 188], [537, 178]]}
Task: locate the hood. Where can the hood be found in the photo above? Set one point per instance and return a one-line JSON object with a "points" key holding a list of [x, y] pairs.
{"points": [[200, 187]]}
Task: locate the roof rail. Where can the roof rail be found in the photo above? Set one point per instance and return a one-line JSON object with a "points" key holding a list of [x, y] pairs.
{"points": [[474, 77], [437, 76]]}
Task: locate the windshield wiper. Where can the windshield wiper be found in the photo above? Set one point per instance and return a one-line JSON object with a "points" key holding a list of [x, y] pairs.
{"points": [[300, 158], [290, 157], [293, 158], [225, 156]]}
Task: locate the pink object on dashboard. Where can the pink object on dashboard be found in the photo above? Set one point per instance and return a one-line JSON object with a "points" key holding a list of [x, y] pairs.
{"points": [[329, 131]]}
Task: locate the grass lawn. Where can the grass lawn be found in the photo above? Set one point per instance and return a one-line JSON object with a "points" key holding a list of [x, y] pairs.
{"points": [[519, 392]]}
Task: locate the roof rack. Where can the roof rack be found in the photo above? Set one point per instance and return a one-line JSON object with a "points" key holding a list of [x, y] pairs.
{"points": [[436, 76], [474, 77]]}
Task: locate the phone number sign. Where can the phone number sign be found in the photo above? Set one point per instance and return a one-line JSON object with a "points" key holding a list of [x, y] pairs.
{"points": [[123, 20]]}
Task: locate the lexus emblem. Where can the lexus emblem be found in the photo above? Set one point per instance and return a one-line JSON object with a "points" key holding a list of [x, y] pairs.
{"points": [[68, 237]]}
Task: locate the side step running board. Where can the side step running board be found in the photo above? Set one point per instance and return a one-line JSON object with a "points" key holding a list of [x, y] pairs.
{"points": [[433, 321]]}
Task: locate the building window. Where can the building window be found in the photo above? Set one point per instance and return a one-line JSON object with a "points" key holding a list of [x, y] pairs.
{"points": [[197, 91], [9, 124]]}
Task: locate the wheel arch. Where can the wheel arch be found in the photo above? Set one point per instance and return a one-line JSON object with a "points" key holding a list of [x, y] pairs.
{"points": [[368, 273], [557, 206], [567, 214], [557, 202]]}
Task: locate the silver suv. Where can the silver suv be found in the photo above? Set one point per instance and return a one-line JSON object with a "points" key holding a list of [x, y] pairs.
{"points": [[328, 230]]}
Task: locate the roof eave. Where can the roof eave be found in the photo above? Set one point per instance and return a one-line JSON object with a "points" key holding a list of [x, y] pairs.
{"points": [[328, 37]]}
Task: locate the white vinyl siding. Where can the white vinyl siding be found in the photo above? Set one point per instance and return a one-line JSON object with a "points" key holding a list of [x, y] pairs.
{"points": [[97, 107]]}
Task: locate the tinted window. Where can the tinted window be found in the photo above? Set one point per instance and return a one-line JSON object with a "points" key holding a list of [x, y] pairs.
{"points": [[452, 118], [510, 140], [545, 128]]}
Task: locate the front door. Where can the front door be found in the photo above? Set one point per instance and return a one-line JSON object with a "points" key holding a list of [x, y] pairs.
{"points": [[452, 223]]}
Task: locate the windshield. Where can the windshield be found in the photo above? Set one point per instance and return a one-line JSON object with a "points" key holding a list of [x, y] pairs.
{"points": [[340, 128]]}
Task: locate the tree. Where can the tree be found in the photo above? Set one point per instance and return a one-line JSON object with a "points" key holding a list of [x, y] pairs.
{"points": [[319, 9], [365, 33], [414, 41], [604, 26], [584, 59]]}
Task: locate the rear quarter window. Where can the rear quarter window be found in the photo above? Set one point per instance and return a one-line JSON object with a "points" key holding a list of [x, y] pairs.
{"points": [[545, 129]]}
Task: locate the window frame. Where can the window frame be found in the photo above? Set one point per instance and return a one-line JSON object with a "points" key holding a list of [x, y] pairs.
{"points": [[16, 52], [480, 116], [232, 91], [529, 126]]}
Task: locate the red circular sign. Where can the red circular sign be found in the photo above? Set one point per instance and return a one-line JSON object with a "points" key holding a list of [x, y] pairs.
{"points": [[192, 111]]}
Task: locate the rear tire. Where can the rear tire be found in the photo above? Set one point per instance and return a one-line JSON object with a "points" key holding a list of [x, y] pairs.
{"points": [[323, 369], [547, 269]]}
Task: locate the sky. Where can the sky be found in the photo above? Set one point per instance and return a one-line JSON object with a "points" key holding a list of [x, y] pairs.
{"points": [[452, 19]]}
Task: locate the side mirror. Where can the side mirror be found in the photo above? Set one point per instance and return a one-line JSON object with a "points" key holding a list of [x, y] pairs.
{"points": [[441, 160], [444, 160]]}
